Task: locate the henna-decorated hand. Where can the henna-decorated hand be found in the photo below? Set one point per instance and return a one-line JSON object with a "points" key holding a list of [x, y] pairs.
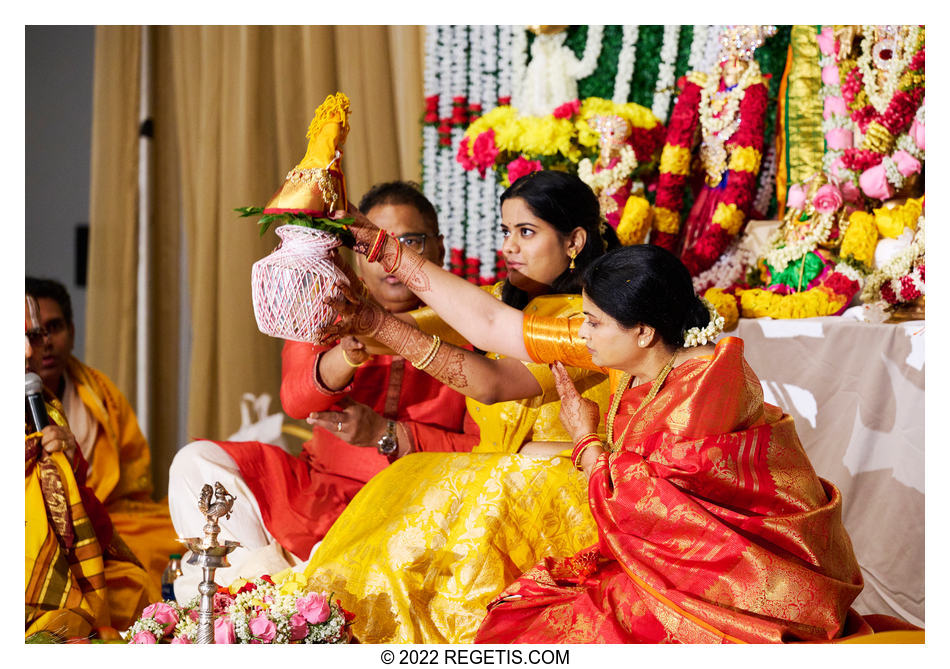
{"points": [[354, 349], [363, 230], [579, 415], [359, 315]]}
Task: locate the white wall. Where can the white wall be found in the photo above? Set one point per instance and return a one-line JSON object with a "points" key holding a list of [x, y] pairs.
{"points": [[58, 82]]}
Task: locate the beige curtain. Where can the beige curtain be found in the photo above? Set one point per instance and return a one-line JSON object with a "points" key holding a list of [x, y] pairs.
{"points": [[231, 106]]}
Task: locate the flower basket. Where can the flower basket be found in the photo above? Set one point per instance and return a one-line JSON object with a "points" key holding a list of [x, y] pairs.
{"points": [[289, 287]]}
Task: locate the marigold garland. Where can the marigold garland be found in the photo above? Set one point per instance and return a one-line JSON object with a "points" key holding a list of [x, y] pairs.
{"points": [[726, 305], [635, 221]]}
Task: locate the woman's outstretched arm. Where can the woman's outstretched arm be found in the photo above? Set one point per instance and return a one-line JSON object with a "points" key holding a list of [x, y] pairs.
{"points": [[484, 379], [484, 321]]}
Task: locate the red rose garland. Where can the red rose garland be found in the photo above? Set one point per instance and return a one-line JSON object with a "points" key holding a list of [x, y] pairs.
{"points": [[673, 172], [745, 150]]}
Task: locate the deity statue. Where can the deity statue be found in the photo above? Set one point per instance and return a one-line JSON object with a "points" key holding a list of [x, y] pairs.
{"points": [[550, 78], [611, 175], [725, 110]]}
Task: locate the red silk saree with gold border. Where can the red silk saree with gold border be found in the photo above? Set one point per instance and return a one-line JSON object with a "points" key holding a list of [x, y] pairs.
{"points": [[713, 527]]}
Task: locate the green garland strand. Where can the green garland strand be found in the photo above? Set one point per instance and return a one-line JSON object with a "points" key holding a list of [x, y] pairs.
{"points": [[647, 66]]}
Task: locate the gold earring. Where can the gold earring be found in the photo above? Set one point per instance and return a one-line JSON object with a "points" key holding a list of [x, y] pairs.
{"points": [[572, 254]]}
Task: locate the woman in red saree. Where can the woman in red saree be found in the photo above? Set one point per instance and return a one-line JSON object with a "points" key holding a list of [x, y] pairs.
{"points": [[713, 526]]}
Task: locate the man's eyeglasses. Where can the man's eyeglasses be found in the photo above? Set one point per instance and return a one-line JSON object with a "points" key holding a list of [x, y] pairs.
{"points": [[414, 240], [37, 336]]}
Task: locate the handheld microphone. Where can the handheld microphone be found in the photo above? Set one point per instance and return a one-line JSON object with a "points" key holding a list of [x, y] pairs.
{"points": [[34, 401]]}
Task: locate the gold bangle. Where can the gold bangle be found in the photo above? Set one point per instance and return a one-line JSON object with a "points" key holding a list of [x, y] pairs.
{"points": [[430, 355], [347, 360]]}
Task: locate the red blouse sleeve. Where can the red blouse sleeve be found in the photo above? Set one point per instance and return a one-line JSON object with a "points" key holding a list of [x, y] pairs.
{"points": [[298, 393]]}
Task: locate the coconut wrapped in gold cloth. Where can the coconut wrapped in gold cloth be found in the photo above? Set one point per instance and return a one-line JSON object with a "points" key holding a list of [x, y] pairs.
{"points": [[316, 186]]}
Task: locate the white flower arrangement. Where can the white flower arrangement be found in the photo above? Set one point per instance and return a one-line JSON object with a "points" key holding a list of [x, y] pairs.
{"points": [[900, 265], [260, 611], [625, 63], [665, 85], [696, 336]]}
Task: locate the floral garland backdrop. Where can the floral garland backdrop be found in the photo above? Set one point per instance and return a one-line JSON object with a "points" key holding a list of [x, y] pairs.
{"points": [[471, 70]]}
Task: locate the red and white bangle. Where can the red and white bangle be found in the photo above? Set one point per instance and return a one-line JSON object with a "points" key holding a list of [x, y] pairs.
{"points": [[377, 246], [581, 445]]}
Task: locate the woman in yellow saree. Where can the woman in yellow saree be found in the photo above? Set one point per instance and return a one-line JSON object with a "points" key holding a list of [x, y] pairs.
{"points": [[429, 541]]}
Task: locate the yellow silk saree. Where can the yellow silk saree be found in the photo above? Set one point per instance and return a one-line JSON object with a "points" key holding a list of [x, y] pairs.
{"points": [[430, 540]]}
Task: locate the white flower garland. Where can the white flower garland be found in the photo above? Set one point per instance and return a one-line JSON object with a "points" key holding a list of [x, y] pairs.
{"points": [[588, 62], [763, 195], [697, 48], [625, 63], [663, 90], [711, 53], [780, 258], [880, 97], [698, 336], [519, 58], [730, 268], [609, 180], [430, 73], [893, 174], [506, 50]]}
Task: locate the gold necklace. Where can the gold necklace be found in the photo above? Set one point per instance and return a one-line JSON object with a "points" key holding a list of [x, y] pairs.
{"points": [[615, 404]]}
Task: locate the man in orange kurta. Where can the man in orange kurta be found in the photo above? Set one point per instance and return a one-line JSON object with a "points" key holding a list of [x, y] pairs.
{"points": [[107, 432]]}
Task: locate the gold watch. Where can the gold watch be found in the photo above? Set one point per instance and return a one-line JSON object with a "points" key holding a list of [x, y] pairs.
{"points": [[387, 443]]}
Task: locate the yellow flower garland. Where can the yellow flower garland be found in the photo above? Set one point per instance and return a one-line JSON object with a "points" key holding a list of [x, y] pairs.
{"points": [[665, 220], [860, 239], [757, 303], [728, 217], [635, 222], [675, 160], [745, 159], [726, 305]]}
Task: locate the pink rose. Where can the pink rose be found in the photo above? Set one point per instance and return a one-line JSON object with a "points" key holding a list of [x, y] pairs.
{"points": [[839, 139], [849, 191], [298, 627], [568, 109], [796, 197], [827, 199], [162, 613], [181, 639], [916, 133], [484, 150], [838, 164], [826, 41], [520, 166], [144, 637], [463, 157], [223, 630], [835, 104], [263, 628], [874, 183], [906, 163], [314, 607], [829, 75]]}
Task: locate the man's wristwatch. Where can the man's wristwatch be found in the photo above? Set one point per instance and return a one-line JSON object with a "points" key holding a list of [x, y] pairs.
{"points": [[387, 443]]}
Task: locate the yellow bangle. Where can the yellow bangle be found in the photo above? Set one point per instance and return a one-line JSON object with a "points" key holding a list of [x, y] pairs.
{"points": [[347, 360]]}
